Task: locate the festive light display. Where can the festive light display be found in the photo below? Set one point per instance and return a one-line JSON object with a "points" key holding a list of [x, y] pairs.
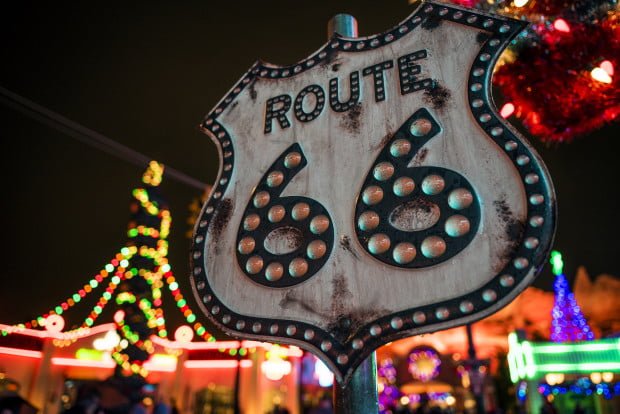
{"points": [[135, 277], [528, 360], [582, 386], [275, 367], [568, 323], [386, 383], [559, 73], [424, 363]]}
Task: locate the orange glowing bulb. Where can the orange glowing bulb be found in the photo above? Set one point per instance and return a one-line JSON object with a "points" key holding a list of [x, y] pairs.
{"points": [[561, 26]]}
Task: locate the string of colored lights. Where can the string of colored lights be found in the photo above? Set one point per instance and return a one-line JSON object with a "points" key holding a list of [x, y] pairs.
{"points": [[75, 298], [145, 243]]}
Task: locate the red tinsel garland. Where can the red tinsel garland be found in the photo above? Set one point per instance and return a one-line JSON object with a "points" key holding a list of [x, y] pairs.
{"points": [[551, 85]]}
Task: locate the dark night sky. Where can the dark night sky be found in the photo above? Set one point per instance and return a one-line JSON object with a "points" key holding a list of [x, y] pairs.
{"points": [[145, 74]]}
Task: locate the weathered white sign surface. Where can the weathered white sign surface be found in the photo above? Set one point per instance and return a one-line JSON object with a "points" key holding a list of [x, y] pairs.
{"points": [[371, 192]]}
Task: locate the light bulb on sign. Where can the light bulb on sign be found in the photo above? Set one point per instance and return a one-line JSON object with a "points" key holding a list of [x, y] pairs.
{"points": [[520, 3]]}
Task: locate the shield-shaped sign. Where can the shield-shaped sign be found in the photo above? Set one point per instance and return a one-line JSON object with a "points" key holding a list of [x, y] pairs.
{"points": [[371, 192]]}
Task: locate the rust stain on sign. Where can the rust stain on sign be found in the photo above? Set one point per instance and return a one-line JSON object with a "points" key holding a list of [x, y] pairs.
{"points": [[513, 232], [221, 219], [419, 157], [252, 89], [345, 243], [351, 120], [290, 300], [383, 142], [431, 22], [437, 96]]}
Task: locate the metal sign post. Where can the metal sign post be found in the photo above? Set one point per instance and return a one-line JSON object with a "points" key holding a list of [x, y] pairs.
{"points": [[360, 395], [371, 192]]}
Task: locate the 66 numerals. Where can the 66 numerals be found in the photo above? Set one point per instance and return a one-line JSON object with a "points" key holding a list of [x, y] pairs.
{"points": [[283, 241], [414, 217], [406, 217]]}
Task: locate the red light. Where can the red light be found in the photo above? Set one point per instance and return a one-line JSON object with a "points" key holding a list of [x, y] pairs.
{"points": [[20, 352]]}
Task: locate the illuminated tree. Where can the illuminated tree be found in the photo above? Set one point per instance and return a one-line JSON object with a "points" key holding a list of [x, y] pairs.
{"points": [[568, 323]]}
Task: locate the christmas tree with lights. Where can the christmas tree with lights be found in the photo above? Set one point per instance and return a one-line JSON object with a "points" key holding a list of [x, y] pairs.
{"points": [[136, 276], [568, 323]]}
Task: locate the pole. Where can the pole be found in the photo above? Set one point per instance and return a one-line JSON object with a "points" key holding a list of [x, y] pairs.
{"points": [[476, 378], [343, 24], [360, 394]]}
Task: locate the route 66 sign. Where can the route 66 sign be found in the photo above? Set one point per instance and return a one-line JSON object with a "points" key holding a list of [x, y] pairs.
{"points": [[371, 192]]}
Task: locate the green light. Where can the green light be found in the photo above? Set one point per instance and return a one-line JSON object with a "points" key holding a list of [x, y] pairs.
{"points": [[116, 280], [88, 321], [97, 309], [528, 360], [89, 354], [58, 310], [76, 297], [578, 368], [233, 352], [243, 352], [575, 347], [163, 333], [181, 303], [109, 268], [556, 262], [173, 286], [125, 251], [106, 295], [93, 283], [132, 232], [191, 318], [200, 331]]}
